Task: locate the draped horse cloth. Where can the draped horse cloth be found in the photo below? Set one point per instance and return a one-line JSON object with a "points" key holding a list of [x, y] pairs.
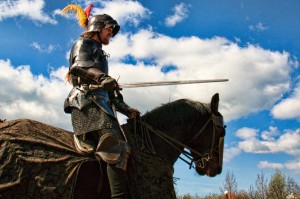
{"points": [[40, 161], [37, 161]]}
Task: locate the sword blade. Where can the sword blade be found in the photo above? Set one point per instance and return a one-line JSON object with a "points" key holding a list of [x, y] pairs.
{"points": [[167, 83]]}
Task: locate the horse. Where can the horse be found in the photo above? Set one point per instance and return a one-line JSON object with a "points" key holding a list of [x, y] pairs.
{"points": [[40, 161]]}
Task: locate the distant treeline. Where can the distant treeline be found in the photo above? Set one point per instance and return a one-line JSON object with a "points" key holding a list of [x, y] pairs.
{"points": [[279, 186]]}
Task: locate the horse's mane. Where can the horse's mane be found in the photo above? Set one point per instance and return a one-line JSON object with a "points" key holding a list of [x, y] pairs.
{"points": [[177, 112]]}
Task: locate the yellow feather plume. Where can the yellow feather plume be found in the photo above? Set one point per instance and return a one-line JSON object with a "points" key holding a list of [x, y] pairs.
{"points": [[81, 16]]}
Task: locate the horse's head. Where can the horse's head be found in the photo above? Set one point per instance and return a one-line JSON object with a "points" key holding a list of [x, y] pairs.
{"points": [[186, 124], [208, 148]]}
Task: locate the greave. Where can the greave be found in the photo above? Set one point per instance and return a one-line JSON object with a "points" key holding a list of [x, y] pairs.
{"points": [[113, 151], [118, 182]]}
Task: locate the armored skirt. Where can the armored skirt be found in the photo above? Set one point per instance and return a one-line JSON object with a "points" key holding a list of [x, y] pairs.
{"points": [[91, 118]]}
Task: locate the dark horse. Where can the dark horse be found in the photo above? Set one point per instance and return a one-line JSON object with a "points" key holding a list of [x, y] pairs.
{"points": [[40, 161]]}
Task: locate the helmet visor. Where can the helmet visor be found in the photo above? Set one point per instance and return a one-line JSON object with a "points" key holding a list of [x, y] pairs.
{"points": [[114, 25]]}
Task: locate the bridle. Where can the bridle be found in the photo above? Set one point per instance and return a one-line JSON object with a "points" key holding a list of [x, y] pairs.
{"points": [[203, 159], [218, 125]]}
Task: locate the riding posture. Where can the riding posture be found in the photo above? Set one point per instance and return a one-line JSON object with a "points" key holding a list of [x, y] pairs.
{"points": [[40, 161], [96, 128]]}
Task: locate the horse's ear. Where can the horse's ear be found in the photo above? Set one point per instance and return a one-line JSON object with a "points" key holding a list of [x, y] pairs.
{"points": [[214, 104]]}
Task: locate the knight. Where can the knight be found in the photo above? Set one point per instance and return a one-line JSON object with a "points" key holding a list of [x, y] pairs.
{"points": [[93, 112]]}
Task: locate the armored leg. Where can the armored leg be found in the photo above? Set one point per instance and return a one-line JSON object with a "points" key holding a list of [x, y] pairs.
{"points": [[118, 182], [115, 153]]}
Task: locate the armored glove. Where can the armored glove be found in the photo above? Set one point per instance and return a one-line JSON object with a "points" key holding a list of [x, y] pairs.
{"points": [[133, 113], [109, 84]]}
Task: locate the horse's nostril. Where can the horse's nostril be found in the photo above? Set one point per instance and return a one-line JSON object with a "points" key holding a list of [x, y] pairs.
{"points": [[212, 174]]}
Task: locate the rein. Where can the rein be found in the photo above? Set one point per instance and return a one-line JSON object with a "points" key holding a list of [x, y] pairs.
{"points": [[201, 162]]}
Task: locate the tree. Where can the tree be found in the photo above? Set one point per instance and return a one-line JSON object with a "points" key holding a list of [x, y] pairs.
{"points": [[230, 184], [213, 196], [277, 186], [187, 196], [292, 187], [242, 195], [260, 190]]}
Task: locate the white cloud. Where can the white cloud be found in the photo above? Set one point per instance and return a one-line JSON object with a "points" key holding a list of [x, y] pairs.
{"points": [[42, 48], [287, 142], [270, 135], [180, 12], [230, 153], [123, 11], [257, 77], [32, 9], [266, 164], [253, 146], [33, 96], [293, 166], [288, 108], [259, 27], [269, 142], [246, 133]]}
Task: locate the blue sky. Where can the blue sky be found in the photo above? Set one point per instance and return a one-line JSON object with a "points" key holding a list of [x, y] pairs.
{"points": [[255, 44]]}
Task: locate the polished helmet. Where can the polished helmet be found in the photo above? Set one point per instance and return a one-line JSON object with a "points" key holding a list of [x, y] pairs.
{"points": [[92, 23], [97, 22]]}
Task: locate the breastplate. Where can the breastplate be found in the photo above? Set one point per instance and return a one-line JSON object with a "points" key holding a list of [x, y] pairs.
{"points": [[86, 53]]}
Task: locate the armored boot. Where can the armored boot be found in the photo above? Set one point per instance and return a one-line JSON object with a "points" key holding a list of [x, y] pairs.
{"points": [[118, 182]]}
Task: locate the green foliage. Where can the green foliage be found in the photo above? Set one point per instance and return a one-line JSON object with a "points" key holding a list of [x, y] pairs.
{"points": [[188, 196], [279, 187]]}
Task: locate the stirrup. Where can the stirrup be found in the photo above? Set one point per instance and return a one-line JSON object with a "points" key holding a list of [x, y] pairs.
{"points": [[82, 147]]}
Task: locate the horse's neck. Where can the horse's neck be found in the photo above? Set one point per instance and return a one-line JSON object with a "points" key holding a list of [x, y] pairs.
{"points": [[169, 152], [179, 120]]}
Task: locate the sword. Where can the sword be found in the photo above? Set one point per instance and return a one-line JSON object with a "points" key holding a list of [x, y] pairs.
{"points": [[159, 83]]}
